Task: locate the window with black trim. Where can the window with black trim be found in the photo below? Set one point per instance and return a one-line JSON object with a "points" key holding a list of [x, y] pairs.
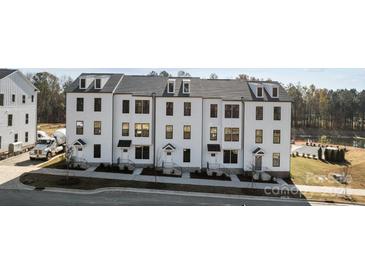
{"points": [[23, 99], [186, 155], [259, 136], [125, 129], [79, 104], [142, 106], [16, 139], [187, 108], [277, 113], [10, 120], [1, 99], [97, 127], [142, 130], [79, 127], [97, 151], [97, 104], [232, 111], [169, 108], [171, 87], [187, 132], [231, 134], [26, 118], [259, 113], [259, 91], [213, 110], [276, 159], [213, 133], [97, 83], [276, 136], [125, 106], [169, 132], [142, 152], [274, 92], [82, 83], [230, 156], [26, 137]]}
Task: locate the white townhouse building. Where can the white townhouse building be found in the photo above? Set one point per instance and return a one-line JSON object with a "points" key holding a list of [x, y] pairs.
{"points": [[187, 122], [18, 110]]}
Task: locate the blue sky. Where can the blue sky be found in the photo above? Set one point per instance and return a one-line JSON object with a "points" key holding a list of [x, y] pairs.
{"points": [[331, 78]]}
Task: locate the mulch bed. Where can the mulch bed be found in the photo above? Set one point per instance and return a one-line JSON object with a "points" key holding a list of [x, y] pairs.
{"points": [[204, 175], [156, 172], [113, 169], [248, 178], [62, 165]]}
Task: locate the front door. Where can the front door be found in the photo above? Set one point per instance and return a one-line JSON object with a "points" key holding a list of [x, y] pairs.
{"points": [[168, 156], [258, 162], [124, 154]]}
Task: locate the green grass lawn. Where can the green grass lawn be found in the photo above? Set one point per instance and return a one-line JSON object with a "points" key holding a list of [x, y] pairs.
{"points": [[302, 168]]}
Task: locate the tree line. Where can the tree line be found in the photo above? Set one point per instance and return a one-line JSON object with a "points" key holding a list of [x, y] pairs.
{"points": [[328, 109], [51, 97]]}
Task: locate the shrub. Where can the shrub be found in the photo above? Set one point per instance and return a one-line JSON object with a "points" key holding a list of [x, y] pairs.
{"points": [[297, 154], [320, 153], [314, 156]]}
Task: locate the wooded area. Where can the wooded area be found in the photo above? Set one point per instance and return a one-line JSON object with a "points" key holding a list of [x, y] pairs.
{"points": [[51, 97], [327, 109]]}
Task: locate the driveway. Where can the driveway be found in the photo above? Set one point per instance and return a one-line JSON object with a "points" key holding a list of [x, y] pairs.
{"points": [[13, 167]]}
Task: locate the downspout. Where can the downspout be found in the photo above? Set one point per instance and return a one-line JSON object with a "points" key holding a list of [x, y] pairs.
{"points": [[243, 134], [202, 139], [112, 128], [154, 128]]}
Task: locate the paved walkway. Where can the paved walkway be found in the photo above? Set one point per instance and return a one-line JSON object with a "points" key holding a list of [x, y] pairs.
{"points": [[282, 185]]}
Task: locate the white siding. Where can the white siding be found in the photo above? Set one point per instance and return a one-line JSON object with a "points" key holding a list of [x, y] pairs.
{"points": [[268, 125], [88, 116], [132, 118], [17, 85], [178, 120]]}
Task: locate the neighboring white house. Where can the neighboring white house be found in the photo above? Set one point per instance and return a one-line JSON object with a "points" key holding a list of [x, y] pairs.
{"points": [[18, 110], [187, 122]]}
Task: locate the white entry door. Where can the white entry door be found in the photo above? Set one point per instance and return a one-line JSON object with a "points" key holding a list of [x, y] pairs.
{"points": [[168, 157], [258, 162], [125, 154]]}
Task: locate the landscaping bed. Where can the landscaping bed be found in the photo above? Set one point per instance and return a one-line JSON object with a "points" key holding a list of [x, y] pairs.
{"points": [[41, 181], [247, 177], [149, 171], [112, 169], [203, 175]]}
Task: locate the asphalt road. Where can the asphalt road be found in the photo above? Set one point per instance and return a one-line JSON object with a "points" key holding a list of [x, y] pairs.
{"points": [[12, 197]]}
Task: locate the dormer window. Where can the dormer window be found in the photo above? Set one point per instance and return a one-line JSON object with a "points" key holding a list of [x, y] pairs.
{"points": [[259, 91], [186, 86], [82, 83], [171, 86], [97, 83], [274, 92]]}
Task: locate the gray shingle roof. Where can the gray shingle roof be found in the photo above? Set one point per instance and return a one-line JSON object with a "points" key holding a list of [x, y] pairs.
{"points": [[139, 85], [6, 72], [109, 86]]}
